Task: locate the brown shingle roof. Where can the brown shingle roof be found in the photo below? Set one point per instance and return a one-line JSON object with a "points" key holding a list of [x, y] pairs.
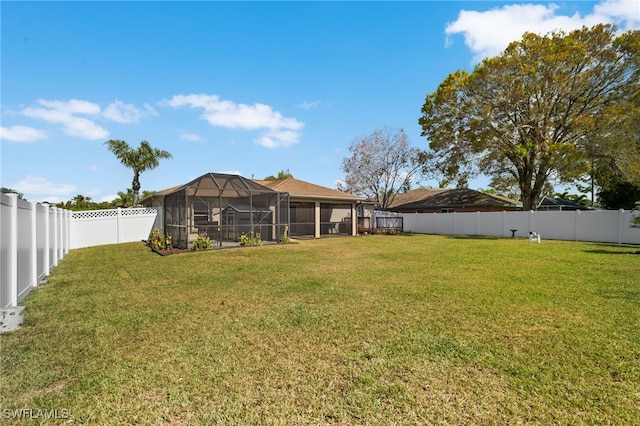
{"points": [[300, 188], [415, 195], [440, 198], [168, 190], [295, 187]]}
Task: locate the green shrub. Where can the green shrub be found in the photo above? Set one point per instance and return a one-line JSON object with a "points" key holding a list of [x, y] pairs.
{"points": [[201, 243], [285, 234], [157, 241], [252, 239]]}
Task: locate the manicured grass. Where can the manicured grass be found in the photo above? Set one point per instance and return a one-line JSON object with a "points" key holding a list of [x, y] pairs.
{"points": [[409, 329]]}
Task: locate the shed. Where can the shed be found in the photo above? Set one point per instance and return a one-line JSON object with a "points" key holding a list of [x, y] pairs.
{"points": [[245, 219]]}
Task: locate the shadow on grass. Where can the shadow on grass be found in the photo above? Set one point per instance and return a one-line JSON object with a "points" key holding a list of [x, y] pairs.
{"points": [[612, 252], [474, 237], [610, 248], [390, 233]]}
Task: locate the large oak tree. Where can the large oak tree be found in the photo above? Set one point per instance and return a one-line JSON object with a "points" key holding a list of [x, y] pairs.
{"points": [[553, 106]]}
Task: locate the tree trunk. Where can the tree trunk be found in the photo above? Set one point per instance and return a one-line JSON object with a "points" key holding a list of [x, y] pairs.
{"points": [[135, 188]]}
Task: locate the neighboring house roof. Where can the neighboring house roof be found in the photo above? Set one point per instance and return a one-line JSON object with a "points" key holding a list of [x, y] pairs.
{"points": [[548, 203], [428, 198], [414, 196], [301, 189]]}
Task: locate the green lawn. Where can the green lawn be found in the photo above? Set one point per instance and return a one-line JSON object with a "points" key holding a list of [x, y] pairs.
{"points": [[410, 329]]}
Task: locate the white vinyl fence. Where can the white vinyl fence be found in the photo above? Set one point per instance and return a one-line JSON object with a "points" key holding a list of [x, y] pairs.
{"points": [[35, 237], [100, 227], [606, 226]]}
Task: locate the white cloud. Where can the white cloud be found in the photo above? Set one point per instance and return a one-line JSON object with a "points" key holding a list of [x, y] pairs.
{"points": [[190, 137], [149, 110], [230, 172], [122, 113], [40, 186], [278, 138], [21, 134], [278, 130], [309, 105], [65, 113], [74, 106], [626, 13], [127, 113], [482, 38]]}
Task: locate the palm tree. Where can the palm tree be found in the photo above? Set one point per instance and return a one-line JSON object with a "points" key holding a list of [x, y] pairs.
{"points": [[125, 199], [138, 160], [281, 175]]}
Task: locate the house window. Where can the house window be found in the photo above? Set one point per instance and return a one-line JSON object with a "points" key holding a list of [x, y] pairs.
{"points": [[447, 210]]}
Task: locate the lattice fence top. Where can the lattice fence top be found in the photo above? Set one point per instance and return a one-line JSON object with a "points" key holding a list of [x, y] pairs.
{"points": [[138, 212], [95, 214]]}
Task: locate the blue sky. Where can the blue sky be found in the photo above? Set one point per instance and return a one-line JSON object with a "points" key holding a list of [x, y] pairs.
{"points": [[239, 87]]}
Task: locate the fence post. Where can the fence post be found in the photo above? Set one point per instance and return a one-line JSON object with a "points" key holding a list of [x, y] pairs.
{"points": [[33, 250], [60, 247], [68, 248], [118, 224], [12, 258], [455, 220], [63, 230], [577, 225], [54, 243], [531, 221], [47, 243], [65, 249], [620, 226]]}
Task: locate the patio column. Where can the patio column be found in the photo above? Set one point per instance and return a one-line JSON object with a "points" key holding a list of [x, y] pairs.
{"points": [[354, 219], [317, 220]]}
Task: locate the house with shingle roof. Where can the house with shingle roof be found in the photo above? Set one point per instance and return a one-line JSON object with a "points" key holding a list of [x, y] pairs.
{"points": [[225, 206], [440, 200], [317, 211]]}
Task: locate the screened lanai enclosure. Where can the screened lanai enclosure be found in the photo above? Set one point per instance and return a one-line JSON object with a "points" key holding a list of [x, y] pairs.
{"points": [[335, 219], [223, 207]]}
